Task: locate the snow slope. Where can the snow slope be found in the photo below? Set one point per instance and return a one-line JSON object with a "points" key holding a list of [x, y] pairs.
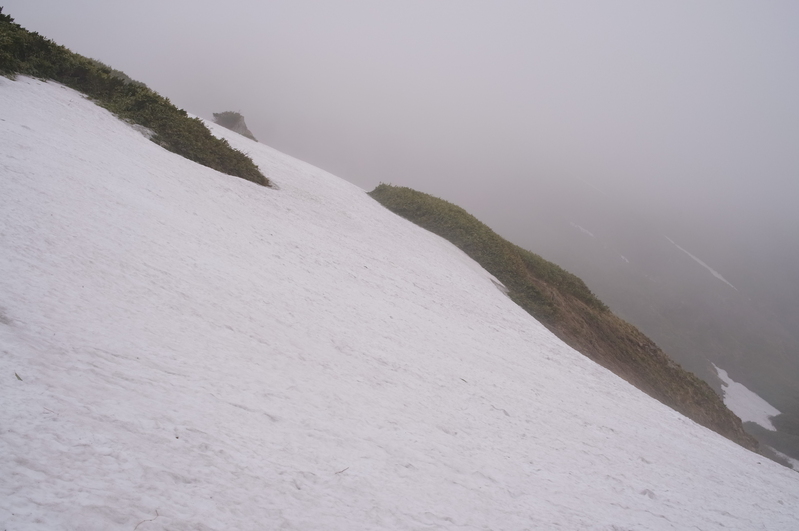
{"points": [[749, 406], [184, 350]]}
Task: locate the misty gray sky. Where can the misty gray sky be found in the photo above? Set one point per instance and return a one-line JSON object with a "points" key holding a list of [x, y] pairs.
{"points": [[683, 111]]}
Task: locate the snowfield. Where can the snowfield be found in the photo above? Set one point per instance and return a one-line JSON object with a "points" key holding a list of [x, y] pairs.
{"points": [[748, 405], [184, 350]]}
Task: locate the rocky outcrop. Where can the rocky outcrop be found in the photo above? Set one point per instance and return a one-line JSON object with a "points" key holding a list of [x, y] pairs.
{"points": [[235, 122]]}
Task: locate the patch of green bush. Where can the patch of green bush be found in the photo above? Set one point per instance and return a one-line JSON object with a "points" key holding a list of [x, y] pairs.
{"points": [[28, 53]]}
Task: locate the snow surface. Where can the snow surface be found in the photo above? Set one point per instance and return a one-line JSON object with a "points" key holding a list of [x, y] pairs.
{"points": [[747, 404], [184, 350], [700, 262], [582, 229]]}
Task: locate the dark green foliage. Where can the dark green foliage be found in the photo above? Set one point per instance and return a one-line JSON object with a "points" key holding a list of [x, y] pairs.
{"points": [[28, 53], [116, 73], [227, 118]]}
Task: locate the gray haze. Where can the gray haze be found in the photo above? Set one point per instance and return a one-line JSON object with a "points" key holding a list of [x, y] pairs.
{"points": [[681, 113]]}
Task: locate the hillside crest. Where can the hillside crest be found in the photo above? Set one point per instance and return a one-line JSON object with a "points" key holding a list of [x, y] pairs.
{"points": [[235, 122], [564, 304]]}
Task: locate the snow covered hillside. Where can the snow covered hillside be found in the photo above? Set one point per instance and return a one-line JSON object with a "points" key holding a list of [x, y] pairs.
{"points": [[184, 350]]}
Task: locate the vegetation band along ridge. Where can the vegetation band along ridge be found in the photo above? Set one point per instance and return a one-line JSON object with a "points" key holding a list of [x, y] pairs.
{"points": [[28, 53]]}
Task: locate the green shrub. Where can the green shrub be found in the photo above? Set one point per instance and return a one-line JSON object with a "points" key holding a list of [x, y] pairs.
{"points": [[28, 53]]}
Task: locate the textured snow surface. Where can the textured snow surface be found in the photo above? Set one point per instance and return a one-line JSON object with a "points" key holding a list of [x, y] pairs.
{"points": [[185, 350], [747, 404]]}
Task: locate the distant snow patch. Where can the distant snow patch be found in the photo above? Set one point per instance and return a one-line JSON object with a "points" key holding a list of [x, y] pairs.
{"points": [[583, 230], [746, 404], [594, 188], [700, 262]]}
